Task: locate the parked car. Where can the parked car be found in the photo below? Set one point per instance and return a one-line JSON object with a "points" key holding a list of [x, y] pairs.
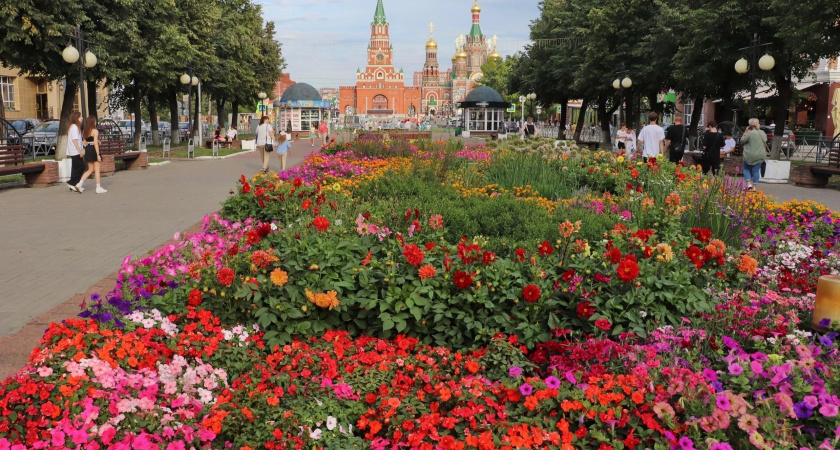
{"points": [[183, 130], [788, 144], [23, 126], [127, 129], [164, 128], [42, 138]]}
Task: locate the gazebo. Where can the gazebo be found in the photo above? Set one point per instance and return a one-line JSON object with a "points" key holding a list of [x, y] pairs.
{"points": [[484, 112], [301, 109]]}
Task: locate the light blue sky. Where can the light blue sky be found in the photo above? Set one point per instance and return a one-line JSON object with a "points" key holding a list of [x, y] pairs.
{"points": [[325, 41]]}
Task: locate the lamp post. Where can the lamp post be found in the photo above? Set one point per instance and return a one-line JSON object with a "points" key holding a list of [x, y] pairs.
{"points": [[71, 55], [743, 65], [262, 96], [187, 79], [621, 82], [532, 96]]}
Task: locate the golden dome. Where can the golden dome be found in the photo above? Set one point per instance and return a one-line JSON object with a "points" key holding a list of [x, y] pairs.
{"points": [[462, 55], [476, 8], [454, 57], [495, 54], [431, 44]]}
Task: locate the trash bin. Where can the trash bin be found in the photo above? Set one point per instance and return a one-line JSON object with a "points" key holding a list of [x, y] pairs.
{"points": [[457, 131]]}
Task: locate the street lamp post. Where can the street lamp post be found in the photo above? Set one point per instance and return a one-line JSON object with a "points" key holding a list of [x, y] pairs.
{"points": [[532, 96], [743, 66], [262, 96], [187, 79], [622, 82], [71, 55]]}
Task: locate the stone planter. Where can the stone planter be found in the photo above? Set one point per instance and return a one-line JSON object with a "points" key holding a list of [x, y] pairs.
{"points": [[777, 172], [802, 176], [64, 167]]}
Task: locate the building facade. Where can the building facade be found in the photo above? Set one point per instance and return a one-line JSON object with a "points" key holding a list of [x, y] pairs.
{"points": [[34, 97], [380, 89]]}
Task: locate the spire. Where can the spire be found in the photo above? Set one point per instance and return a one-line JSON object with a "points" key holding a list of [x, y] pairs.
{"points": [[475, 32], [379, 15]]}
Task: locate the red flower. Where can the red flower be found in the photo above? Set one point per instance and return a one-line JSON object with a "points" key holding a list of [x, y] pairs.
{"points": [[488, 257], [613, 255], [531, 293], [463, 279], [520, 255], [634, 173], [545, 248], [695, 255], [430, 245], [703, 235], [194, 298], [297, 182], [426, 271], [368, 258], [603, 324], [647, 252], [306, 204], [628, 269], [413, 255], [585, 310], [568, 275], [225, 276], [321, 223]]}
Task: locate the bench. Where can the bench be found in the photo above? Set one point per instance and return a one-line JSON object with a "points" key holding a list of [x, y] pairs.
{"points": [[113, 150], [13, 162], [236, 143], [813, 175]]}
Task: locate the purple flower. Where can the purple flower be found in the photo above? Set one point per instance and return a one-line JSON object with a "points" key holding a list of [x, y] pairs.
{"points": [[717, 385], [571, 377], [710, 374], [736, 369], [720, 446], [803, 410], [94, 297], [552, 382], [526, 389], [826, 341], [686, 443], [825, 322], [722, 402], [729, 342], [515, 372]]}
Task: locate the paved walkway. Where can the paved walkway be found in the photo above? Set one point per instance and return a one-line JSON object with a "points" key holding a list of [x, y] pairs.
{"points": [[58, 247]]}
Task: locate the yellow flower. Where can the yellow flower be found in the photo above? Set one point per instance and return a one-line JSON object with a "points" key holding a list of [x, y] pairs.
{"points": [[667, 254], [279, 277]]}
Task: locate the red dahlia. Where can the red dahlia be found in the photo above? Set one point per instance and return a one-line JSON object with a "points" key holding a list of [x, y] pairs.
{"points": [[545, 249], [194, 298], [463, 279], [531, 293], [585, 310], [321, 223], [225, 276], [628, 269], [413, 255]]}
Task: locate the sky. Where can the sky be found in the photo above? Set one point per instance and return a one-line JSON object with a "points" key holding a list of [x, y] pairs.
{"points": [[325, 41]]}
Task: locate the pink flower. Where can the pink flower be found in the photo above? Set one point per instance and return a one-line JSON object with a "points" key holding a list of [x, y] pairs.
{"points": [[736, 369], [829, 411], [175, 446]]}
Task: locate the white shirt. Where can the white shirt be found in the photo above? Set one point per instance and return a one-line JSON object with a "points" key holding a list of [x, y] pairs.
{"points": [[231, 134], [631, 140], [728, 145], [651, 136], [265, 134], [73, 134], [620, 136]]}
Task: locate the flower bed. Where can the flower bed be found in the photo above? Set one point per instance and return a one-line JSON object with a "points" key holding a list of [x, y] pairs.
{"points": [[353, 303]]}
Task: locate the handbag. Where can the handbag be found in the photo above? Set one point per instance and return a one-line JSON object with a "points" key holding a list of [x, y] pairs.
{"points": [[269, 147]]}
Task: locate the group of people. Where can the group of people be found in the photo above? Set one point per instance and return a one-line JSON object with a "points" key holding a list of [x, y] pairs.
{"points": [[268, 141], [83, 150], [654, 141]]}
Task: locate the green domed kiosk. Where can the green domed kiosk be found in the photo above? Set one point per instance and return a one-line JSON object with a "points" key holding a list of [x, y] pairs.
{"points": [[484, 113], [301, 110]]}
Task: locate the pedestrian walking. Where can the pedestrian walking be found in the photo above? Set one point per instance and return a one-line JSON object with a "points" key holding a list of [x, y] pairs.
{"points": [[652, 138], [265, 141], [712, 144], [283, 146], [675, 140], [75, 151], [755, 153], [92, 156], [621, 140], [323, 130], [530, 129], [312, 131], [630, 142]]}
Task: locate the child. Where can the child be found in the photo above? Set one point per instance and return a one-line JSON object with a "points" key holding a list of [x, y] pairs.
{"points": [[283, 147], [728, 145]]}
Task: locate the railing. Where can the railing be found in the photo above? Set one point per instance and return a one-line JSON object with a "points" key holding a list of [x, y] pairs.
{"points": [[826, 146], [216, 146], [191, 148]]}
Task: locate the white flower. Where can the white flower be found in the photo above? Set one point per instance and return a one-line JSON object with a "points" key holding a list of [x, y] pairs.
{"points": [[273, 226], [643, 313], [331, 422], [316, 434], [338, 222]]}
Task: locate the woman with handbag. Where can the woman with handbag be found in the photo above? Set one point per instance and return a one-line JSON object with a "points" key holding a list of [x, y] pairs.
{"points": [[265, 142]]}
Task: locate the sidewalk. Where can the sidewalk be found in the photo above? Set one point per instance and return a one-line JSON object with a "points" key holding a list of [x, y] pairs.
{"points": [[60, 246]]}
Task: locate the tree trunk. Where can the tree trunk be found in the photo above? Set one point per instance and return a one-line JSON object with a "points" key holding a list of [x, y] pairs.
{"points": [[64, 119], [220, 110], [93, 108], [695, 122], [234, 113], [561, 128], [195, 121], [138, 123], [580, 120], [606, 119], [172, 99], [154, 121], [782, 105]]}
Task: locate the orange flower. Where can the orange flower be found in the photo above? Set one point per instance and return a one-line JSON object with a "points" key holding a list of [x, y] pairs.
{"points": [[323, 300], [748, 265], [426, 271], [473, 366], [279, 277], [531, 402]]}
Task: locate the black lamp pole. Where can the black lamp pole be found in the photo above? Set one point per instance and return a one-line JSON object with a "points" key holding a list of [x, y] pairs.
{"points": [[753, 51]]}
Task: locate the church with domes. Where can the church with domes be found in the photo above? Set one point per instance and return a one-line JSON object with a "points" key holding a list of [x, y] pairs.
{"points": [[380, 90]]}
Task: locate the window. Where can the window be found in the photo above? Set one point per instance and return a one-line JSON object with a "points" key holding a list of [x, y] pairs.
{"points": [[380, 102], [7, 86]]}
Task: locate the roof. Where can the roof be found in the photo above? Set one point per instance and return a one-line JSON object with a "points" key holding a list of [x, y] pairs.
{"points": [[475, 32], [301, 92], [484, 94], [379, 15]]}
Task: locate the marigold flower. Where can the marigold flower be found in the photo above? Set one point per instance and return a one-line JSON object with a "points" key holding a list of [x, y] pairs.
{"points": [[748, 265], [427, 271], [279, 277], [323, 300]]}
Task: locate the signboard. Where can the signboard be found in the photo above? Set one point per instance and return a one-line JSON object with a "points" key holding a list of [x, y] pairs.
{"points": [[559, 110], [539, 110], [512, 108], [295, 118], [307, 104]]}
